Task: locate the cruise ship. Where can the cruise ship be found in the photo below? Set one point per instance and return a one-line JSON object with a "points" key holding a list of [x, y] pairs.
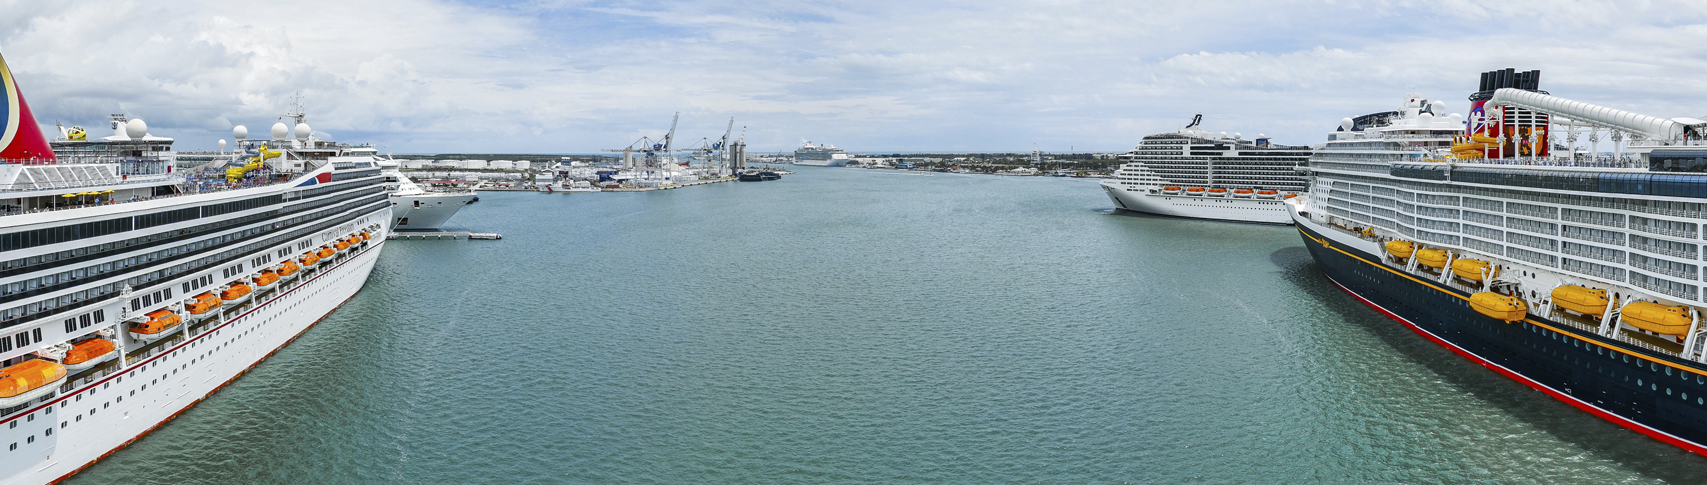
{"points": [[1498, 236], [820, 155], [414, 208], [130, 290], [1195, 173]]}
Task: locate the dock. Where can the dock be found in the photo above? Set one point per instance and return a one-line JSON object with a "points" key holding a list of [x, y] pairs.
{"points": [[490, 236]]}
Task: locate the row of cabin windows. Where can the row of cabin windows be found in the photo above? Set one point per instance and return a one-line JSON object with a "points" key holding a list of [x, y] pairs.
{"points": [[85, 320]]}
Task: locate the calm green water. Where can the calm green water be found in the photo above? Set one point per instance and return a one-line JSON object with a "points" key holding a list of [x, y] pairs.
{"points": [[866, 326]]}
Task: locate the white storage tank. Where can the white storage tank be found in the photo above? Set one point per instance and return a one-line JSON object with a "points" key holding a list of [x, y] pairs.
{"points": [[501, 165], [472, 164], [522, 165]]}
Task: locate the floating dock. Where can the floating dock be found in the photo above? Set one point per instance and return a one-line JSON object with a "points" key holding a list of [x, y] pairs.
{"points": [[444, 235]]}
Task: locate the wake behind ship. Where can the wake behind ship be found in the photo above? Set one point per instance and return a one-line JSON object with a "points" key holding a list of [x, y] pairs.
{"points": [[1195, 173], [130, 291], [1576, 272]]}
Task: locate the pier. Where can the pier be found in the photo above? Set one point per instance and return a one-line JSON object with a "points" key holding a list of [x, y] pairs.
{"points": [[490, 236]]}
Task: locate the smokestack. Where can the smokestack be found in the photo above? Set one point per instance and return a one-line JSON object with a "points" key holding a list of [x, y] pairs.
{"points": [[1484, 84], [1510, 78], [1535, 80]]}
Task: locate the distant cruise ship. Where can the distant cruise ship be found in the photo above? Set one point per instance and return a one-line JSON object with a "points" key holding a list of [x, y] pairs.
{"points": [[1195, 173], [130, 290], [1573, 272], [820, 155]]}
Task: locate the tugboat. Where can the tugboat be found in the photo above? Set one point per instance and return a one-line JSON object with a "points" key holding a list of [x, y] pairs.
{"points": [[750, 176]]}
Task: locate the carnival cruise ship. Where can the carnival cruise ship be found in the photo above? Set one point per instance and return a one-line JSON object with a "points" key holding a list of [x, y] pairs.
{"points": [[1574, 271], [1195, 173], [820, 155], [130, 290]]}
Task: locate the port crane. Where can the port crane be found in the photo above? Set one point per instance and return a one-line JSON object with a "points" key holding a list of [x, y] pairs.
{"points": [[711, 151], [654, 153]]}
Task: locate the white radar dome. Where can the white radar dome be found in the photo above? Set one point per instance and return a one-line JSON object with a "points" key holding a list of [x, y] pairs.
{"points": [[1455, 118], [222, 144], [1438, 107], [1346, 124], [1238, 136], [136, 129], [302, 131], [240, 132], [1425, 120], [280, 130]]}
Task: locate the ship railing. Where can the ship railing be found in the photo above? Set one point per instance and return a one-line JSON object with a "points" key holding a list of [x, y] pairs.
{"points": [[191, 184], [1591, 162]]}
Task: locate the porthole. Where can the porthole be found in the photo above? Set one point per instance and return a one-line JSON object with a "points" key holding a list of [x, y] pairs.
{"points": [[1638, 382], [1668, 370], [1668, 391]]}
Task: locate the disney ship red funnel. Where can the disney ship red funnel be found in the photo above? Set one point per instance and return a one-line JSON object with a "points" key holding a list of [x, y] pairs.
{"points": [[21, 140]]}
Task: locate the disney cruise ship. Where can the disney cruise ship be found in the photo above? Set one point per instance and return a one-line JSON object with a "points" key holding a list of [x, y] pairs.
{"points": [[129, 290], [1195, 173], [1577, 272]]}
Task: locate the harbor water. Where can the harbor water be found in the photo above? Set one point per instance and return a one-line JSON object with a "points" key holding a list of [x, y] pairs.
{"points": [[843, 326]]}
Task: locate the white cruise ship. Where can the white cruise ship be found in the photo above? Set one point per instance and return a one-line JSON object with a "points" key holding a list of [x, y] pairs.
{"points": [[414, 208], [820, 155], [1574, 268], [129, 291], [1195, 173]]}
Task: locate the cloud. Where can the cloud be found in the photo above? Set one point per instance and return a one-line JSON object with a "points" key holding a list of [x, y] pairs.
{"points": [[577, 76]]}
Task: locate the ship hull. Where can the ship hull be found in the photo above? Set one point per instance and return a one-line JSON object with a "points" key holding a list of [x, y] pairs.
{"points": [[820, 163], [1266, 211], [73, 431], [426, 212], [1654, 394]]}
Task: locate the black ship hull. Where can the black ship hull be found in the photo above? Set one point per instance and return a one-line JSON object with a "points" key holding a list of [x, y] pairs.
{"points": [[1658, 395]]}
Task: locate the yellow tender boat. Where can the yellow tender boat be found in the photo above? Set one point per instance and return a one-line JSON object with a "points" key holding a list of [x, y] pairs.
{"points": [[1471, 269], [1506, 308], [1581, 300], [1657, 318], [1433, 258], [1400, 249]]}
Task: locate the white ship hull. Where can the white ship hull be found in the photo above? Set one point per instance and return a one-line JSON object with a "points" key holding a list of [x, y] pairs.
{"points": [[1268, 211], [822, 163], [425, 212], [117, 409]]}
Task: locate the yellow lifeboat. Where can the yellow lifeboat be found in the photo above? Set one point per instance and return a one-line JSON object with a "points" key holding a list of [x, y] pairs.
{"points": [[203, 304], [1400, 249], [30, 379], [1581, 300], [266, 279], [236, 293], [160, 323], [1506, 308], [1471, 269], [288, 270], [1433, 258], [1657, 318], [88, 353]]}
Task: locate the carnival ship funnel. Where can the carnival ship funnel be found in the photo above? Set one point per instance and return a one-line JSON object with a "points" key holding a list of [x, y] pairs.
{"points": [[20, 136]]}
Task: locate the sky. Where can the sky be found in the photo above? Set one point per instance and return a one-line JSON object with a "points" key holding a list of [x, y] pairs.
{"points": [[870, 76]]}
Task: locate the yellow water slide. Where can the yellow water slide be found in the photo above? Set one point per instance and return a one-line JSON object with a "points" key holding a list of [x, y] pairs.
{"points": [[256, 162]]}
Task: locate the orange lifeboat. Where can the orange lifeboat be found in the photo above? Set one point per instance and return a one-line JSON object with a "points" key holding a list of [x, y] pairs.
{"points": [[160, 323], [1171, 190], [365, 236], [266, 279], [1267, 194], [1242, 192], [236, 293], [1657, 318], [1197, 191], [88, 353], [325, 254], [309, 259], [1291, 195], [1217, 192], [203, 304], [30, 379], [288, 270], [341, 245]]}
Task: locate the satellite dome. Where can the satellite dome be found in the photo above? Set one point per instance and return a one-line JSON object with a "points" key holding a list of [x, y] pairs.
{"points": [[1261, 136], [221, 144], [1457, 119], [1238, 136], [1346, 124], [1425, 120], [240, 132], [302, 131], [280, 130], [1437, 107], [136, 129]]}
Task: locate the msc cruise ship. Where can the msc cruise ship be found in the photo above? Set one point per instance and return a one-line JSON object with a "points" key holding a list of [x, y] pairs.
{"points": [[130, 290], [1195, 173], [1501, 236]]}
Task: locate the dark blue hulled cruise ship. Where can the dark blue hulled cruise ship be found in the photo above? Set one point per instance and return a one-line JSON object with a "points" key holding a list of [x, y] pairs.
{"points": [[1553, 241]]}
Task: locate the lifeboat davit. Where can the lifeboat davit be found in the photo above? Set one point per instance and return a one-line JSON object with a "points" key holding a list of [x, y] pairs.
{"points": [[29, 380], [1657, 318], [1171, 190], [1581, 300], [236, 293], [1471, 269], [203, 305], [1217, 192], [1242, 192], [287, 271], [1267, 194], [160, 323], [1197, 191], [1506, 308], [1400, 249], [89, 353], [1433, 258]]}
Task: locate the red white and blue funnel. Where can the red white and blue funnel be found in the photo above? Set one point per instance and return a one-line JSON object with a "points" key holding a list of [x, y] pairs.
{"points": [[21, 140]]}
